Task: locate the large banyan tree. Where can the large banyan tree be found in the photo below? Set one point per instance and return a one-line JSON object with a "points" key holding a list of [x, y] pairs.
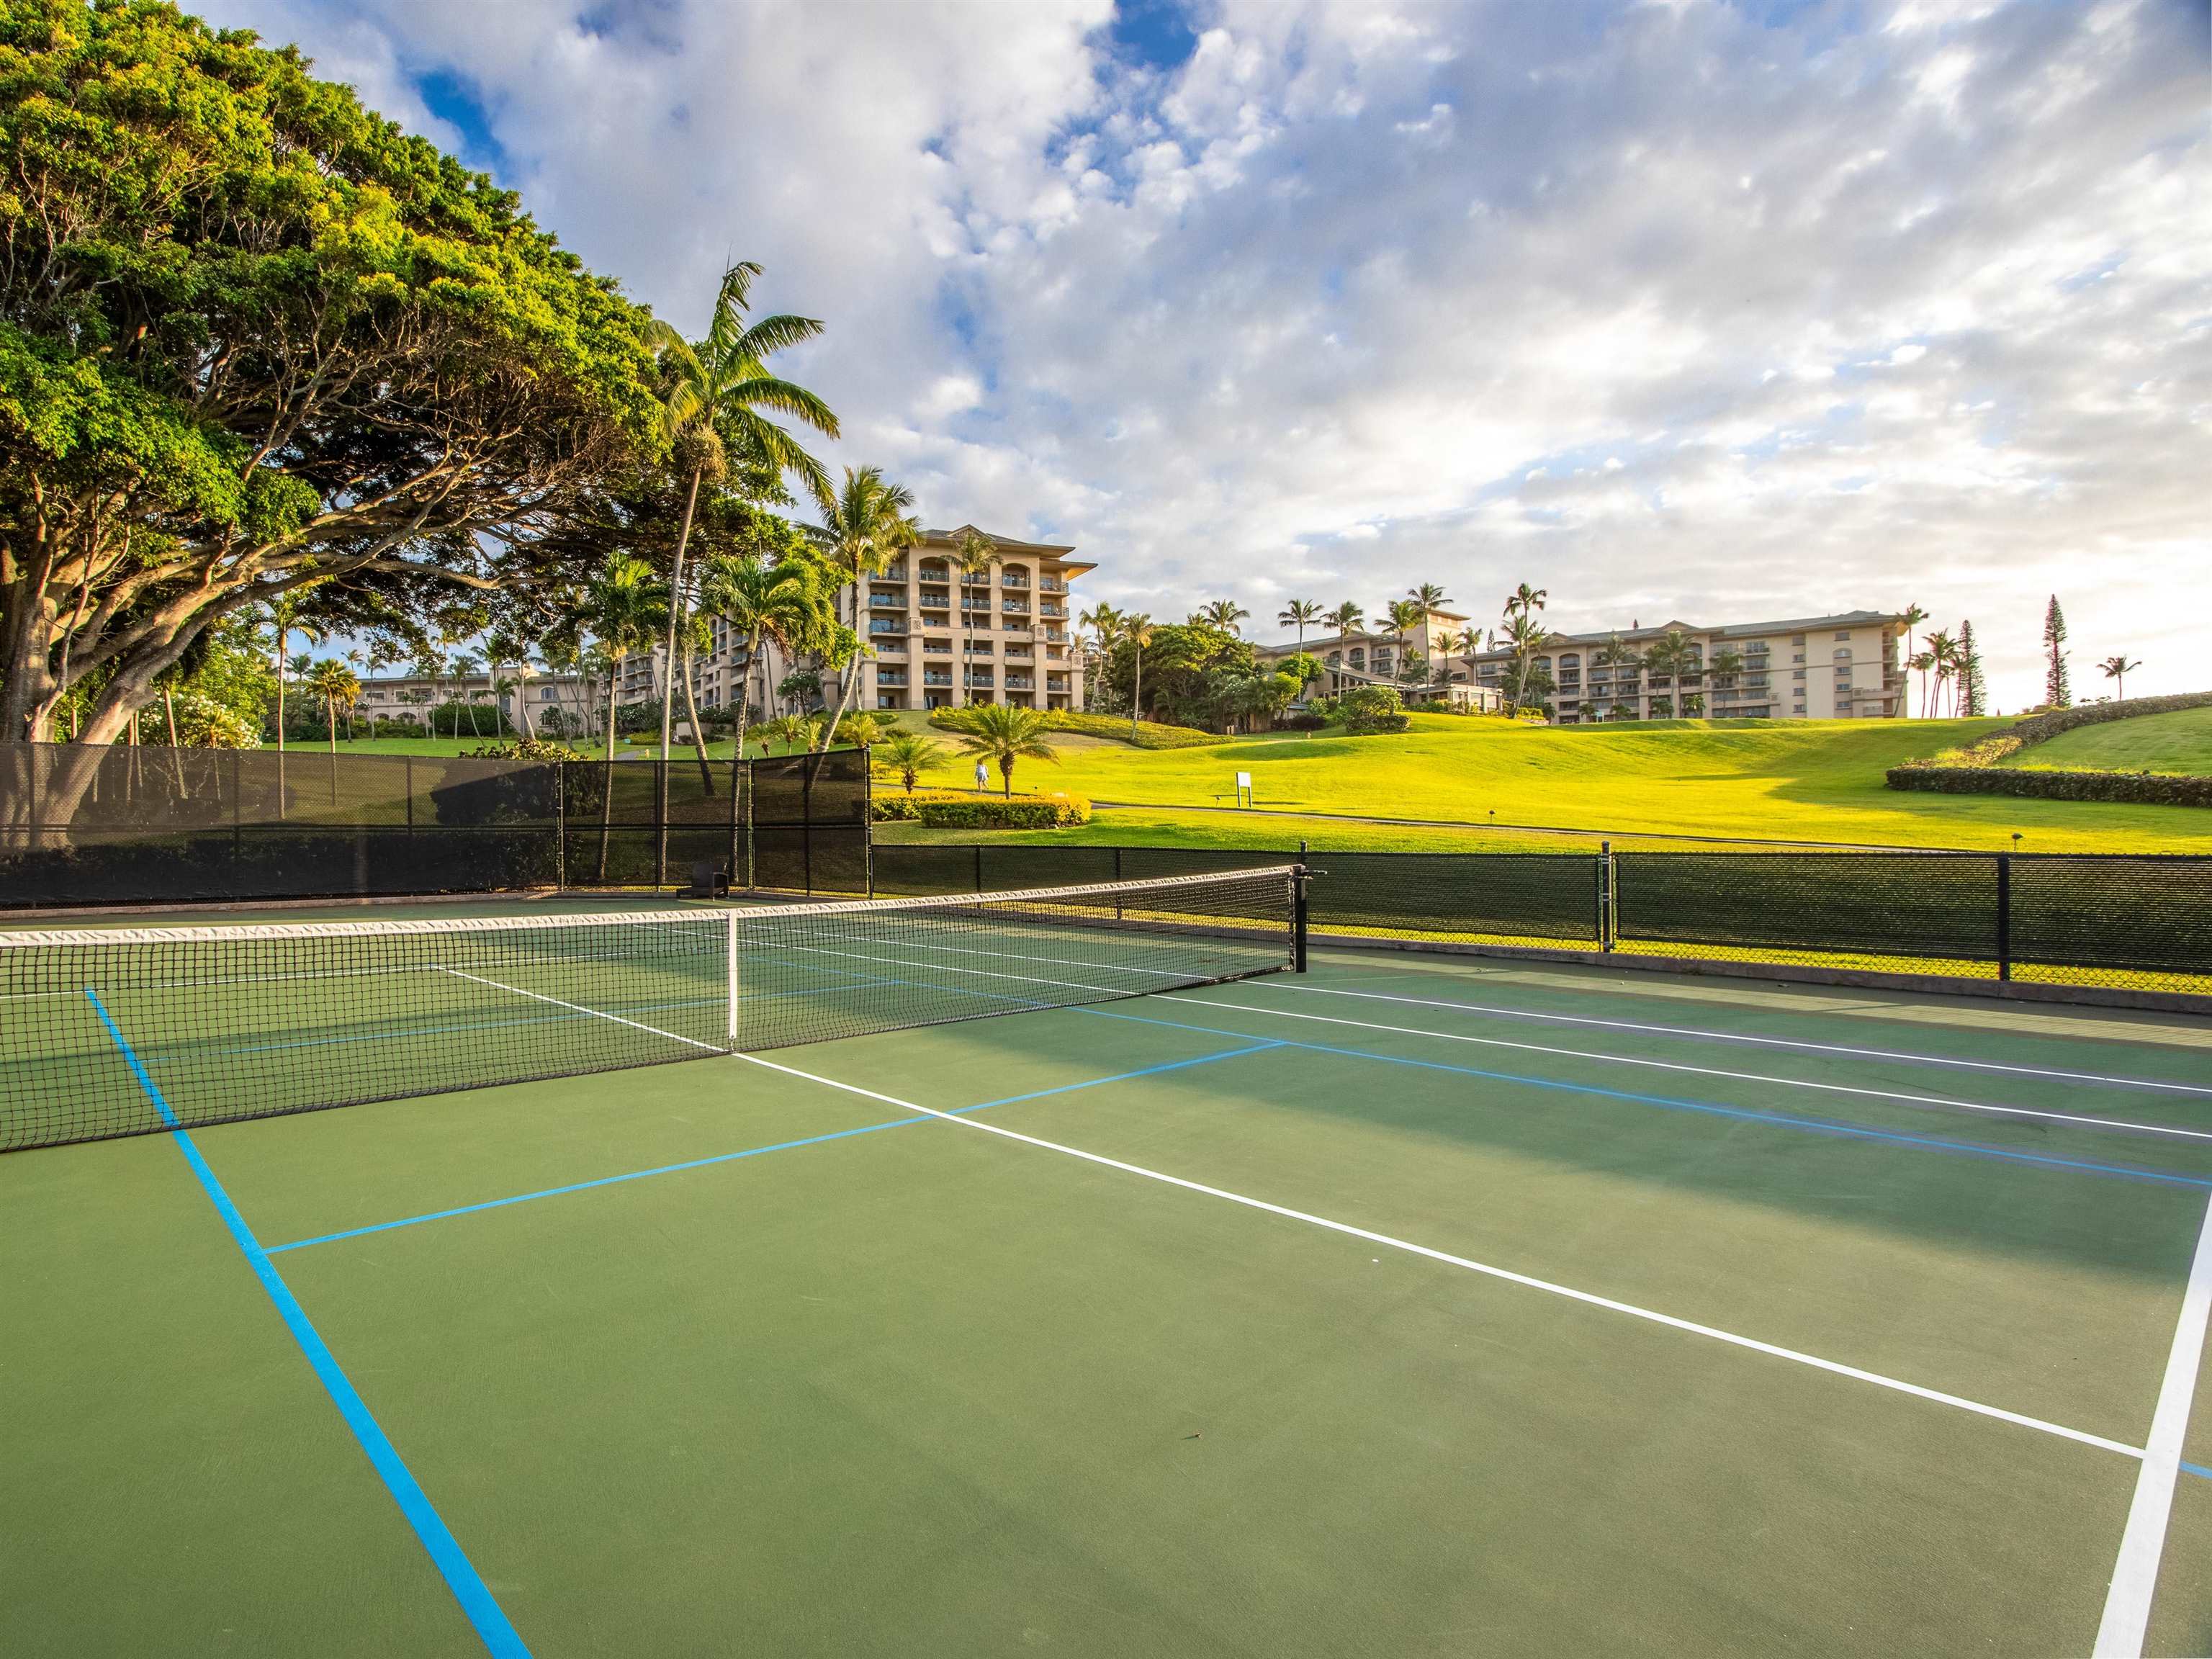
{"points": [[255, 339]]}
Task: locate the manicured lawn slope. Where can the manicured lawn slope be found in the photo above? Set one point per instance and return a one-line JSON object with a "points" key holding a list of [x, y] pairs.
{"points": [[1802, 781], [2178, 742]]}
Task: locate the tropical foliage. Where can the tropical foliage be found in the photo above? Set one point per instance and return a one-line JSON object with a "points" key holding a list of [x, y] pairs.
{"points": [[1003, 734]]}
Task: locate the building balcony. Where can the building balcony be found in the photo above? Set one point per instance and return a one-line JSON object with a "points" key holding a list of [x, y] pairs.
{"points": [[1047, 608], [1014, 579], [890, 679], [1053, 584], [1016, 608], [1057, 633], [886, 625], [886, 601], [932, 678], [980, 680], [937, 647], [1022, 682]]}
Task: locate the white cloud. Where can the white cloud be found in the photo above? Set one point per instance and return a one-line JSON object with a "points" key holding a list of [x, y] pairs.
{"points": [[1366, 295]]}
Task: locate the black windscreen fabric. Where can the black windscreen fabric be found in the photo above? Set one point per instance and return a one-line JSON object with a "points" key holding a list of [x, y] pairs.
{"points": [[2149, 915], [1906, 904]]}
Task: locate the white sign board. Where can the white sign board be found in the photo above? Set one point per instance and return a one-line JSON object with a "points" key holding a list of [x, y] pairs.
{"points": [[1243, 780]]}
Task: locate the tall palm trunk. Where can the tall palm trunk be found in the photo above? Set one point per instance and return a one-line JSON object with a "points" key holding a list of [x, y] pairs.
{"points": [[852, 674], [607, 777], [1136, 687], [698, 737], [675, 618]]}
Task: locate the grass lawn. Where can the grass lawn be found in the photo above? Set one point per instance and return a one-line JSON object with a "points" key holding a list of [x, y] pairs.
{"points": [[1815, 780], [2178, 742], [1797, 781]]}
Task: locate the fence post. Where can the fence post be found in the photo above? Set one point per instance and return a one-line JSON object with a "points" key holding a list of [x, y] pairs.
{"points": [[737, 817], [560, 824], [1602, 900], [868, 821], [979, 867], [806, 828], [660, 824], [34, 760], [2004, 916], [1298, 913]]}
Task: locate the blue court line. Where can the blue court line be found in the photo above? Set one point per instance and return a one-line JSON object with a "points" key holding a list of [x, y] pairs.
{"points": [[1819, 1125], [2197, 1469], [756, 1151], [476, 1601]]}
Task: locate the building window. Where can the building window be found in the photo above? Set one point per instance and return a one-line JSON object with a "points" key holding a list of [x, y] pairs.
{"points": [[1796, 639], [1843, 655], [1845, 633], [1796, 673]]}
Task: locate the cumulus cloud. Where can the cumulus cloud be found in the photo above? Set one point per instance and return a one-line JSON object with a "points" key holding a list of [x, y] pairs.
{"points": [[1670, 310]]}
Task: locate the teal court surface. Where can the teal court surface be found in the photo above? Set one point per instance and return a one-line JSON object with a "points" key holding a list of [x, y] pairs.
{"points": [[1408, 1306]]}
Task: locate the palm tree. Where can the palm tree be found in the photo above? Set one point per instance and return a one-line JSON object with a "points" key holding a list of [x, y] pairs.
{"points": [[865, 524], [1137, 629], [790, 730], [1524, 599], [1224, 614], [2117, 669], [465, 667], [1912, 616], [784, 604], [623, 607], [1613, 654], [284, 616], [503, 646], [1301, 614], [909, 753], [861, 729], [337, 685], [974, 553], [722, 384], [1003, 733], [1406, 615], [1943, 655], [1429, 597], [1920, 662]]}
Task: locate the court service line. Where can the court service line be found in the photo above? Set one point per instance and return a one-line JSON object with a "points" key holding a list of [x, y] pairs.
{"points": [[1764, 1041], [2134, 1577], [2088, 1119], [478, 1603], [1487, 1269], [1808, 1125], [756, 1152]]}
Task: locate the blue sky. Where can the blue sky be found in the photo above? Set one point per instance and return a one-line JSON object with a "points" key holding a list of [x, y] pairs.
{"points": [[1687, 310]]}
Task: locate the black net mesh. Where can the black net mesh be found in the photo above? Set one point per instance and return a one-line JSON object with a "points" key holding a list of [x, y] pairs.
{"points": [[85, 824], [1882, 904], [115, 1032]]}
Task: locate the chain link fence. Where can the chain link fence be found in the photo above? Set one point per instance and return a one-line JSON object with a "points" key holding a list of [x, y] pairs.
{"points": [[2133, 922], [126, 824]]}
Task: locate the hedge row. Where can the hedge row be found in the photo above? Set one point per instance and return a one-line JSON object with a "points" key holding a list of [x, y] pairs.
{"points": [[937, 809], [2141, 788], [1149, 734], [1974, 770]]}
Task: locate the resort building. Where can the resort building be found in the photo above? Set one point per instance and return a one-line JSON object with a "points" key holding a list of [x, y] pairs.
{"points": [[1375, 657], [524, 697], [1839, 667], [938, 637]]}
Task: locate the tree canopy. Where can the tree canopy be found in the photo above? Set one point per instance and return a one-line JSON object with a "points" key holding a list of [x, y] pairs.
{"points": [[254, 339]]}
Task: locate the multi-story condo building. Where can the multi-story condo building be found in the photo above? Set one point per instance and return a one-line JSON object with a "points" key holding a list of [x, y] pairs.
{"points": [[937, 636], [523, 699], [1374, 657], [1839, 667]]}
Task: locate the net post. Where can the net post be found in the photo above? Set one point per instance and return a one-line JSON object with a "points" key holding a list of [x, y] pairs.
{"points": [[867, 822], [1299, 876], [979, 867], [560, 824], [730, 950], [2004, 916], [660, 824]]}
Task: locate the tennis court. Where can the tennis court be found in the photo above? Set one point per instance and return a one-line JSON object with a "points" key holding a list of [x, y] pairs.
{"points": [[1408, 1304]]}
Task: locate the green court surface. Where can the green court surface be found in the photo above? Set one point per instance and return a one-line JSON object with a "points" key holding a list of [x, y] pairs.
{"points": [[1408, 1306]]}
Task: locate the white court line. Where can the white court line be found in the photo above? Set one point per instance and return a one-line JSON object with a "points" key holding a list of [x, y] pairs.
{"points": [[2134, 1577], [1711, 1071], [1508, 1275], [1766, 1042], [1587, 1297], [578, 1007]]}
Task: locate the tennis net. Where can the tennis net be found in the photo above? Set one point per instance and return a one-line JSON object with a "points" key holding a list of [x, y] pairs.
{"points": [[107, 1032]]}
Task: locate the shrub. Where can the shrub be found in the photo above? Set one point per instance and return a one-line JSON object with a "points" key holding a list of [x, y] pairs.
{"points": [[938, 808], [1367, 726], [1362, 702], [2054, 783], [530, 749], [1973, 770], [1308, 721]]}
